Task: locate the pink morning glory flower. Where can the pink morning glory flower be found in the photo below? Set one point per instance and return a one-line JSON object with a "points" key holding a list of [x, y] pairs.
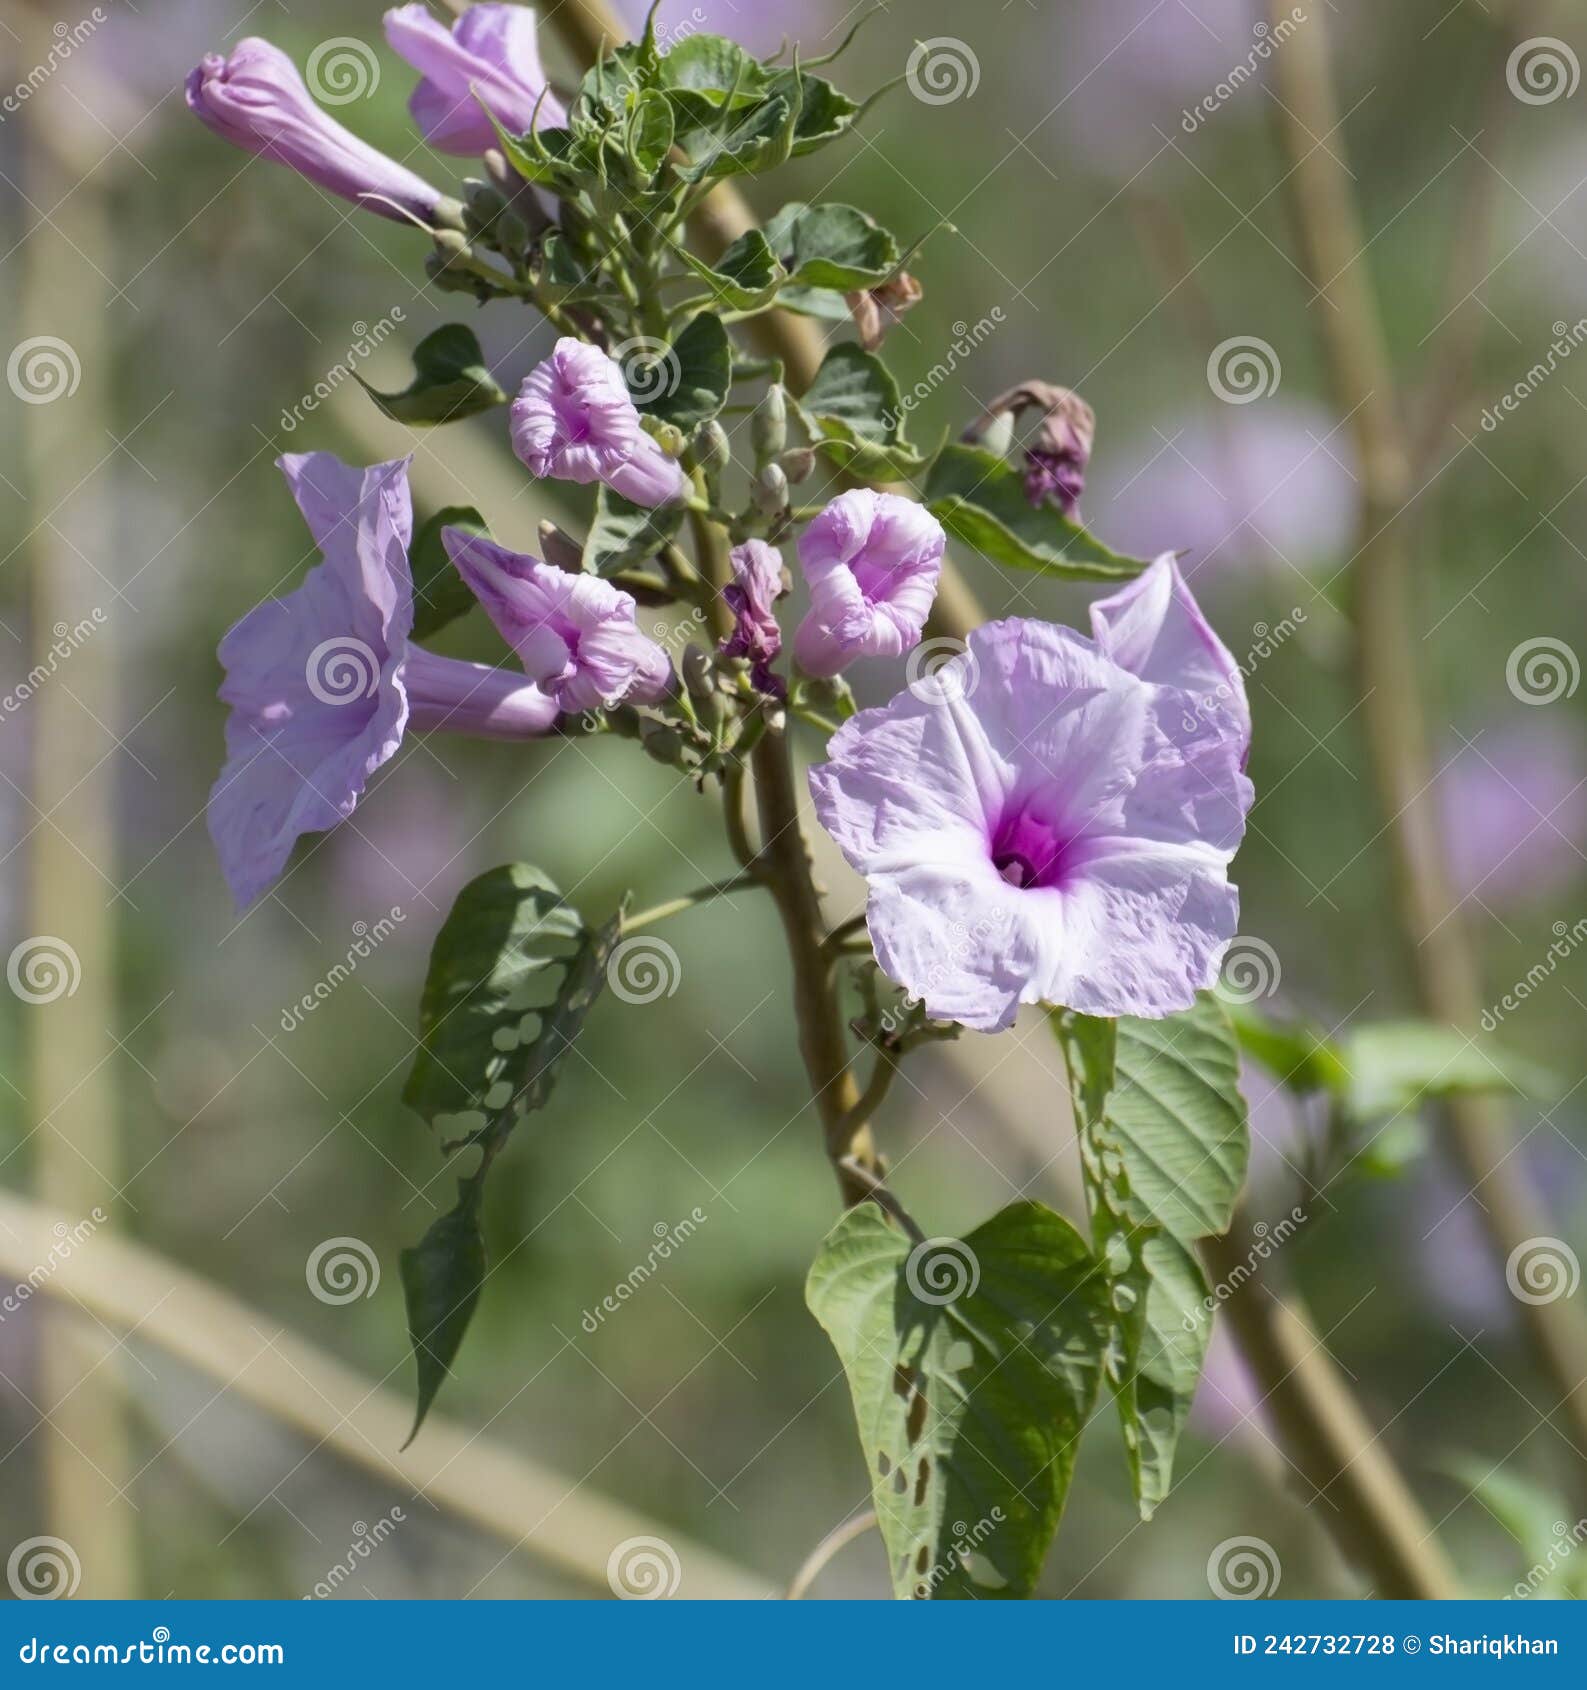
{"points": [[256, 100], [574, 634], [573, 419], [758, 582], [871, 561], [1040, 825], [1154, 628], [323, 683], [487, 61]]}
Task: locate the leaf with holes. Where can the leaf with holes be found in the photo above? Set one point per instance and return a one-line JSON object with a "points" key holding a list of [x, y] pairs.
{"points": [[973, 1364], [450, 380], [979, 498], [1163, 1149]]}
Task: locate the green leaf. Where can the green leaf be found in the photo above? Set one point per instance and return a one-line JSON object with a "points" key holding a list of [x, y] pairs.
{"points": [[1164, 1144], [854, 415], [697, 369], [440, 594], [832, 246], [706, 75], [825, 112], [450, 381], [623, 534], [441, 1279], [980, 499], [512, 974], [970, 1406], [758, 139], [1391, 1066], [650, 132], [747, 275], [1298, 1052]]}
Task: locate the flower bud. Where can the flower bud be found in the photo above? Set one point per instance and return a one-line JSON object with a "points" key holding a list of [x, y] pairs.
{"points": [[484, 201], [771, 490], [1057, 452], [768, 428], [797, 463], [700, 679], [710, 448]]}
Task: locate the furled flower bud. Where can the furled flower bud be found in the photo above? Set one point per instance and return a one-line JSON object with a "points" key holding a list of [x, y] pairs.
{"points": [[1057, 452], [759, 580], [256, 100], [770, 491], [876, 310], [768, 427], [797, 462], [487, 64], [573, 419]]}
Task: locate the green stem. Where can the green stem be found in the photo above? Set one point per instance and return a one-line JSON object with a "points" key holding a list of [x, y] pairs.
{"points": [[689, 900]]}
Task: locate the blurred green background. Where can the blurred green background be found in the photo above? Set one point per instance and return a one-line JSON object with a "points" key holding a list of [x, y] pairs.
{"points": [[205, 297]]}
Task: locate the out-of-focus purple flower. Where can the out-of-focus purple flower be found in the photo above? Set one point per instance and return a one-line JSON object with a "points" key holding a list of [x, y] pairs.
{"points": [[758, 582], [1270, 482], [573, 419], [1514, 803], [488, 60], [872, 561], [323, 683], [1155, 629], [818, 25], [1039, 825], [574, 634], [1057, 452], [256, 100]]}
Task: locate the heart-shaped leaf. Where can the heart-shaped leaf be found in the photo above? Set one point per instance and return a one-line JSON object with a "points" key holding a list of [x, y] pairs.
{"points": [[450, 380]]}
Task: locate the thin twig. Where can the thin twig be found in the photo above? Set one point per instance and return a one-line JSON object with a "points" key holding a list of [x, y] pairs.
{"points": [[815, 1563], [876, 1190]]}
